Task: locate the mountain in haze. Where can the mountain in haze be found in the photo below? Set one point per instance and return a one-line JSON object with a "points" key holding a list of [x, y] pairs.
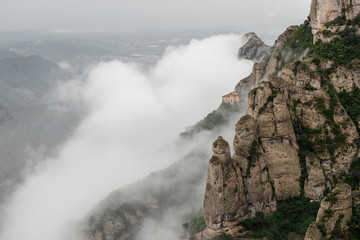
{"points": [[168, 196], [7, 54], [29, 128], [26, 78]]}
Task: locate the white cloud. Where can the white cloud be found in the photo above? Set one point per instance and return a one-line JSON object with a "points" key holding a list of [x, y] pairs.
{"points": [[271, 14], [132, 123]]}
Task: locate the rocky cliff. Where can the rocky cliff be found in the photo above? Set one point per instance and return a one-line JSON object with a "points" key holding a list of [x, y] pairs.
{"points": [[334, 214], [325, 11], [295, 159], [300, 136], [254, 48]]}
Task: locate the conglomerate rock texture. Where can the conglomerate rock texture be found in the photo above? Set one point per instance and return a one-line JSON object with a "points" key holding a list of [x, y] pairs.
{"points": [[325, 11], [295, 139], [334, 214]]}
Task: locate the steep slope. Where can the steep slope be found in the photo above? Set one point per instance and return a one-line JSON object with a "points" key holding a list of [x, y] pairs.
{"points": [[30, 127], [170, 195], [176, 190], [299, 137]]}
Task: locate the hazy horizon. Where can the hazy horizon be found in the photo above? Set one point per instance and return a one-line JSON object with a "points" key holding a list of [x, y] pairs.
{"points": [[141, 15]]}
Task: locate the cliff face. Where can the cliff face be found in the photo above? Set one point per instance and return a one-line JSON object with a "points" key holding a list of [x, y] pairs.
{"points": [[334, 214], [325, 11], [268, 65], [299, 136]]}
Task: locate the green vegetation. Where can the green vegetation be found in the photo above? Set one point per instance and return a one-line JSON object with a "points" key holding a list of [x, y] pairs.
{"points": [[253, 155], [351, 103], [196, 223], [338, 232], [309, 87], [123, 212], [354, 224], [292, 215], [341, 50], [316, 61], [301, 39], [340, 20], [339, 138], [306, 147], [216, 119], [331, 197], [328, 213], [354, 22], [322, 228], [223, 237], [327, 33], [353, 176], [269, 99]]}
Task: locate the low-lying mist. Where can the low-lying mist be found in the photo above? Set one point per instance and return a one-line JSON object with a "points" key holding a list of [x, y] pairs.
{"points": [[131, 128]]}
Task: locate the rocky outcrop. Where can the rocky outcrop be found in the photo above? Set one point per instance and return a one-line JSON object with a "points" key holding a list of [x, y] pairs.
{"points": [[325, 11], [295, 139], [340, 78], [269, 65], [254, 48], [315, 184], [117, 224], [225, 200], [334, 214]]}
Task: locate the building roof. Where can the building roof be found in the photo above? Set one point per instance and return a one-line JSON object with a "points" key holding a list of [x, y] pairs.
{"points": [[234, 93]]}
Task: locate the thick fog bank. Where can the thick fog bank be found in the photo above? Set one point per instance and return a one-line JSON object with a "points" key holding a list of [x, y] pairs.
{"points": [[131, 129]]}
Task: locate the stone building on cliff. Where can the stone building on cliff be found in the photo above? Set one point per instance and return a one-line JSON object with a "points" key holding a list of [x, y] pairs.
{"points": [[231, 98]]}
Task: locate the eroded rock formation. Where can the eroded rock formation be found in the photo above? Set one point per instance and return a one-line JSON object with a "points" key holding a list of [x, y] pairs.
{"points": [[334, 214], [254, 48], [295, 139]]}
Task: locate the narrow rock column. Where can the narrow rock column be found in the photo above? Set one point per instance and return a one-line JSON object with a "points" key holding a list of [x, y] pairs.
{"points": [[214, 203]]}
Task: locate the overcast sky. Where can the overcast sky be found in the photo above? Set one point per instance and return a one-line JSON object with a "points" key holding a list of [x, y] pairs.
{"points": [[119, 15]]}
